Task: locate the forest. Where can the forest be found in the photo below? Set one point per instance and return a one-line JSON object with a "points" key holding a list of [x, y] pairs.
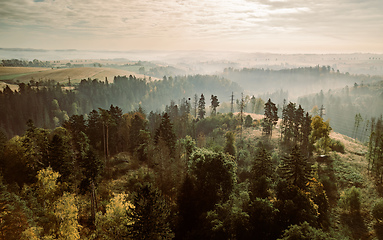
{"points": [[181, 158], [48, 103]]}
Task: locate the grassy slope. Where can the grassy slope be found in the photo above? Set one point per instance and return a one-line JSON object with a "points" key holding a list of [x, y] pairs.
{"points": [[350, 169]]}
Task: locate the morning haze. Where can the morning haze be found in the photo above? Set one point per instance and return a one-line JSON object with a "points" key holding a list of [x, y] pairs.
{"points": [[190, 119]]}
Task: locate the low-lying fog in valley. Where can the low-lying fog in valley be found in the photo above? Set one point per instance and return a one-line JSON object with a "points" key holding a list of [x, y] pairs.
{"points": [[187, 119]]}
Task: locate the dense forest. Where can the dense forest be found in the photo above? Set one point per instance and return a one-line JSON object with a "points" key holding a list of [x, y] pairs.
{"points": [[48, 103], [169, 175]]}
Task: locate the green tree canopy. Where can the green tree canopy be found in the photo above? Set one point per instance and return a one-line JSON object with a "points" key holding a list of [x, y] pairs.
{"points": [[149, 215]]}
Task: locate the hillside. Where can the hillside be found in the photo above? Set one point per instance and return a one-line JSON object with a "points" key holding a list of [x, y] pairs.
{"points": [[22, 74], [9, 73], [339, 172]]}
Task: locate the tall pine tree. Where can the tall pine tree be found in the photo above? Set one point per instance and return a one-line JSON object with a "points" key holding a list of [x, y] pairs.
{"points": [[201, 107]]}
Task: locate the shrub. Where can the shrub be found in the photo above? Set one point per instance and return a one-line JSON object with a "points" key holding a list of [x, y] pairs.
{"points": [[350, 200], [248, 121], [304, 231], [377, 210], [336, 145]]}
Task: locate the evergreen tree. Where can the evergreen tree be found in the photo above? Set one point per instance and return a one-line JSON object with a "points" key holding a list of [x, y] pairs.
{"points": [[214, 104], [271, 117], [248, 121], [295, 168], [137, 124], [306, 131], [60, 154], [230, 144], [298, 123], [261, 173], [201, 107], [150, 215], [165, 133], [288, 122], [262, 165], [114, 133]]}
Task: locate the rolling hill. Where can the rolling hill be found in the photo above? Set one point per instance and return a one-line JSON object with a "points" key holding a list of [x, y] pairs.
{"points": [[22, 74]]}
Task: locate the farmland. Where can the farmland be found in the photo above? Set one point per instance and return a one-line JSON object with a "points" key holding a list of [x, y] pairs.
{"points": [[25, 75]]}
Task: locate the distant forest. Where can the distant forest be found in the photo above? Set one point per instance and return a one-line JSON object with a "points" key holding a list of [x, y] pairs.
{"points": [[349, 109], [48, 104], [24, 63], [296, 81], [348, 101]]}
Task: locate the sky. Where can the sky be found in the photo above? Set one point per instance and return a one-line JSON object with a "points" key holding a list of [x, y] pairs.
{"points": [[283, 26]]}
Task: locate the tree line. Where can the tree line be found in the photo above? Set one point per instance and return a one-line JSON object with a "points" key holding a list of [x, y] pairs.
{"points": [[24, 63]]}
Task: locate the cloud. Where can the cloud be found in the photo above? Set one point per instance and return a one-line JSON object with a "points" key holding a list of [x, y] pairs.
{"points": [[182, 22]]}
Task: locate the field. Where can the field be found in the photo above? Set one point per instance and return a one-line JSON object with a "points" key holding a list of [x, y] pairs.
{"points": [[9, 73], [21, 74]]}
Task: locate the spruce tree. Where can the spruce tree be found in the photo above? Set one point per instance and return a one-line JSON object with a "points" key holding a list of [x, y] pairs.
{"points": [[262, 163], [166, 134], [201, 107], [295, 168], [149, 215]]}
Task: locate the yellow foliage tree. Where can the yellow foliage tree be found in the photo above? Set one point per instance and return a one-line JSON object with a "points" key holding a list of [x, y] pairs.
{"points": [[66, 213], [112, 224], [320, 133]]}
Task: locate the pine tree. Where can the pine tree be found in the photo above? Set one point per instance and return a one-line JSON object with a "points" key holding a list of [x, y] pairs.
{"points": [[149, 215], [166, 134], [214, 105], [271, 117], [60, 154], [262, 163], [306, 130], [298, 122], [288, 122], [296, 169], [201, 107]]}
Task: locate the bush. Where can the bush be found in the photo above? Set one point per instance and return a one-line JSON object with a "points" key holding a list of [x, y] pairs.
{"points": [[337, 146], [304, 231], [350, 200], [377, 210], [248, 121]]}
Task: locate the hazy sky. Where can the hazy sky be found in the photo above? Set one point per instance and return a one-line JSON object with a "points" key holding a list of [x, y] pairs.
{"points": [[238, 25]]}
